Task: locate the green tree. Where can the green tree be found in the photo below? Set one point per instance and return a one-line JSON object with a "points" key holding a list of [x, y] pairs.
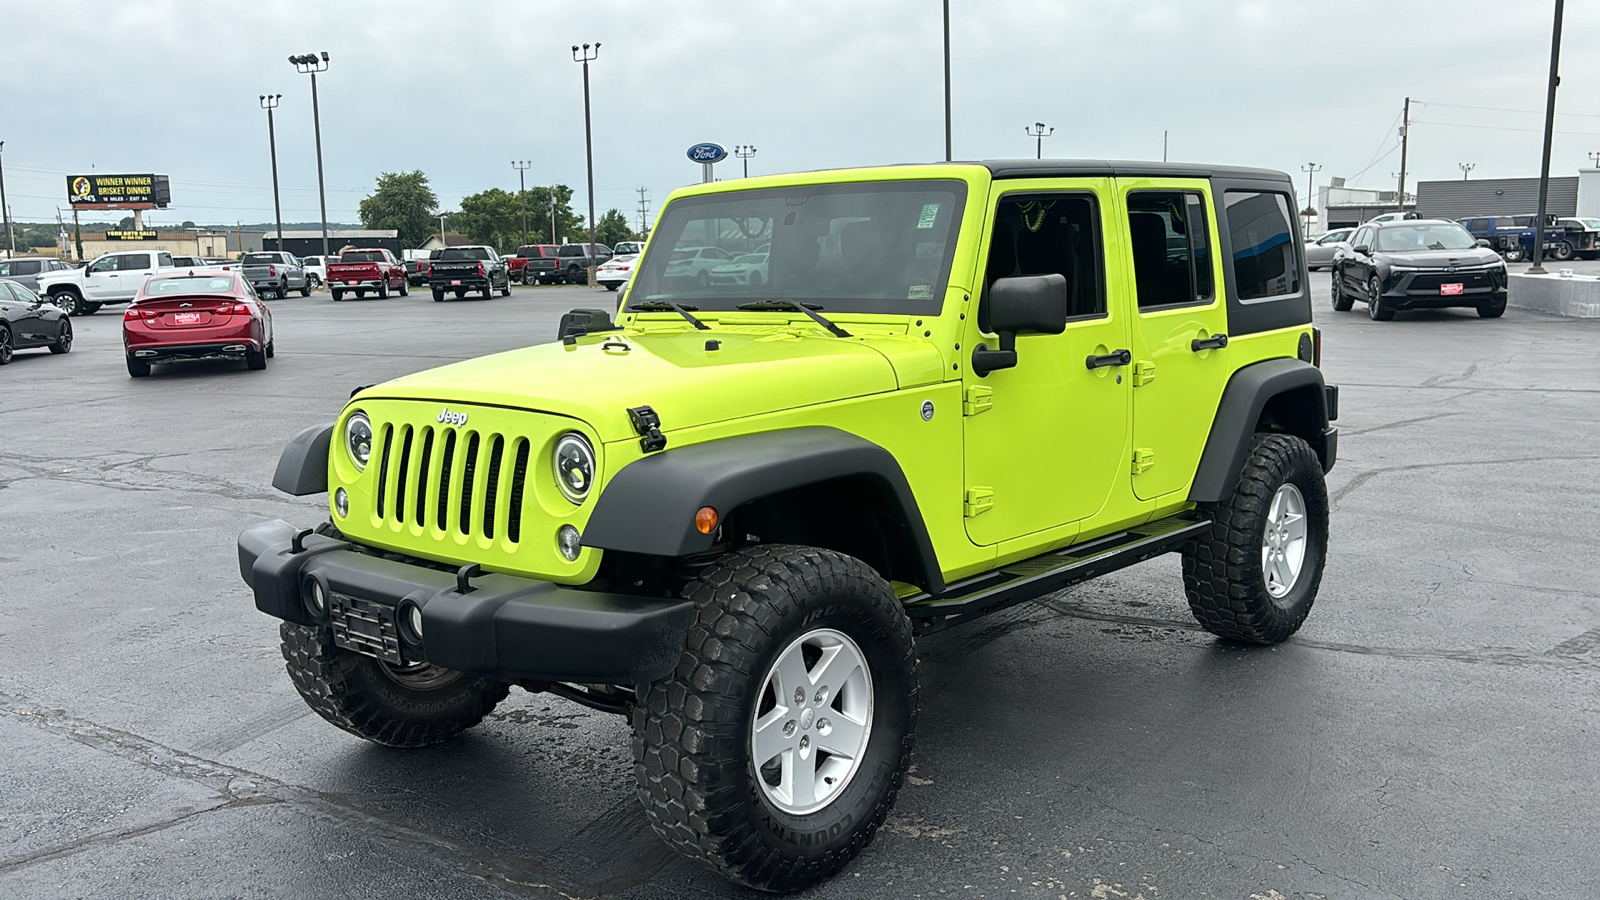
{"points": [[494, 217], [613, 227], [405, 202]]}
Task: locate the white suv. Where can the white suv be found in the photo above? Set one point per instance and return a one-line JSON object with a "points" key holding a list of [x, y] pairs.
{"points": [[110, 280]]}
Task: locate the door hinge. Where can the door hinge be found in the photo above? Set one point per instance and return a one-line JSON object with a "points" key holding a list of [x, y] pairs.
{"points": [[979, 399], [1143, 460], [979, 501], [1144, 372]]}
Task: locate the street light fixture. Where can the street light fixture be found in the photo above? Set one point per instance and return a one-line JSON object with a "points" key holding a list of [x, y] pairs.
{"points": [[5, 211], [1465, 168], [522, 184], [744, 152], [269, 102], [311, 64], [1039, 132], [1311, 169], [583, 55]]}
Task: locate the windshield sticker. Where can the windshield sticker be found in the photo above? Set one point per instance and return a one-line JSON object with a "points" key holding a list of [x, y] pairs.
{"points": [[920, 292], [930, 213]]}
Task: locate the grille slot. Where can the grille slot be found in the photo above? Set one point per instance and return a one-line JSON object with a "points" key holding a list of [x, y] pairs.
{"points": [[519, 474], [466, 483], [445, 463], [491, 487], [422, 474], [383, 466], [400, 482]]}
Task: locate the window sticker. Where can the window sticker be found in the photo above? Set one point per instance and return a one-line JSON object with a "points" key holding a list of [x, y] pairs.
{"points": [[920, 292], [930, 214]]}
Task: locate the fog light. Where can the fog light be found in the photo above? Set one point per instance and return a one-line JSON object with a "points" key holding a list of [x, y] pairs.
{"points": [[570, 542], [316, 600], [341, 502], [410, 616]]}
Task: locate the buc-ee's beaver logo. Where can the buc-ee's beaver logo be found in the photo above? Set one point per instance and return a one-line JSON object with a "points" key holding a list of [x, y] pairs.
{"points": [[81, 187]]}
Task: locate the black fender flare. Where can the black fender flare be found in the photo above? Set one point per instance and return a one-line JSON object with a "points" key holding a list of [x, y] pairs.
{"points": [[303, 465], [1243, 400], [650, 506]]}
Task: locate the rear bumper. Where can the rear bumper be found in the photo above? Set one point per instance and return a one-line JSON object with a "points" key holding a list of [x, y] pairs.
{"points": [[505, 627], [223, 349], [467, 283]]}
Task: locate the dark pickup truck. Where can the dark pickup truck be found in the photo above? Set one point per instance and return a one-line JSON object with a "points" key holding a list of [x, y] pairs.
{"points": [[1512, 236], [575, 261], [470, 268]]}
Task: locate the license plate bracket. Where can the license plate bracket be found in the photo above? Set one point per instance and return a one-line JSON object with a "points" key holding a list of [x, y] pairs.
{"points": [[368, 627]]}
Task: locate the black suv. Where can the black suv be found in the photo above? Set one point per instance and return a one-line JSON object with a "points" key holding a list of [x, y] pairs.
{"points": [[1418, 264]]}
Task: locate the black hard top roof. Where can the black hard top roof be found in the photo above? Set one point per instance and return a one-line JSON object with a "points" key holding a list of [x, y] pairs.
{"points": [[1079, 168]]}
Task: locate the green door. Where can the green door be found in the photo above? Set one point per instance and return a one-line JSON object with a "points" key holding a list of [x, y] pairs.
{"points": [[1178, 372], [1046, 441]]}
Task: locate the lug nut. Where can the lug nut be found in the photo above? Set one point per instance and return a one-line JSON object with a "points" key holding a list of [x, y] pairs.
{"points": [[788, 728], [822, 694], [799, 696]]}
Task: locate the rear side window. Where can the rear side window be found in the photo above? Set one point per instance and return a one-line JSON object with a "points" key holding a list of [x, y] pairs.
{"points": [[134, 262], [1266, 258], [1171, 247], [26, 267]]}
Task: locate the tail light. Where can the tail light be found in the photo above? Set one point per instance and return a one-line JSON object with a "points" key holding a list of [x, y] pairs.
{"points": [[480, 268], [1316, 347], [131, 313]]}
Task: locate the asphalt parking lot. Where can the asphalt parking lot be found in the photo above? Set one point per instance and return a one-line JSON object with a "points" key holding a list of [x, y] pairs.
{"points": [[1433, 731]]}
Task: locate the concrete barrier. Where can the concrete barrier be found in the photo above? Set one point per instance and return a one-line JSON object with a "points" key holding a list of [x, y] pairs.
{"points": [[1572, 295]]}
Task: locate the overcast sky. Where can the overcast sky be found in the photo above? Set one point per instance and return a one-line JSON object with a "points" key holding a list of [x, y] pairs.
{"points": [[459, 89]]}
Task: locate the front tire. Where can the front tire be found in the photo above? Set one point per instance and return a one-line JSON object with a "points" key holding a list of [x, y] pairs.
{"points": [[776, 748], [399, 706], [1255, 576], [305, 289], [1377, 310], [1341, 302], [1494, 309], [1515, 254]]}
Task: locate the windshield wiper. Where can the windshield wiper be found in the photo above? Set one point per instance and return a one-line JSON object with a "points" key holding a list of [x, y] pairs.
{"points": [[668, 306], [797, 307]]}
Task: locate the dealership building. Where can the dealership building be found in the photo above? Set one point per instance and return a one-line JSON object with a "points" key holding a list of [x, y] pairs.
{"points": [[309, 243], [1572, 195]]}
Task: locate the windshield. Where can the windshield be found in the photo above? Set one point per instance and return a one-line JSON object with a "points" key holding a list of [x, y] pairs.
{"points": [[874, 247], [164, 287], [465, 253], [361, 256], [1415, 238], [263, 259]]}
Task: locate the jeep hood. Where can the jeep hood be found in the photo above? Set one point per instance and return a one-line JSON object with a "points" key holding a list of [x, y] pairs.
{"points": [[598, 378]]}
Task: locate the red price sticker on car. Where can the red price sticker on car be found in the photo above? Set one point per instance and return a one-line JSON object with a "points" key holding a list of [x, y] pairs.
{"points": [[1449, 289]]}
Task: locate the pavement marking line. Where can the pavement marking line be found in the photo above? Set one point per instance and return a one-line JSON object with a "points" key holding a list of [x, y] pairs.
{"points": [[241, 787]]}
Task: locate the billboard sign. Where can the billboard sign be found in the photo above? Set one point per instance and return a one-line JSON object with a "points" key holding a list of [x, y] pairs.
{"points": [[131, 235], [118, 191]]}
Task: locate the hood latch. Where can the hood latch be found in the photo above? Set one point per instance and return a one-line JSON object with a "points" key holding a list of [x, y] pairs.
{"points": [[648, 424]]}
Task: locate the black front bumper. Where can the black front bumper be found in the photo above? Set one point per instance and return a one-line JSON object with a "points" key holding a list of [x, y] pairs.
{"points": [[506, 627], [1423, 289]]}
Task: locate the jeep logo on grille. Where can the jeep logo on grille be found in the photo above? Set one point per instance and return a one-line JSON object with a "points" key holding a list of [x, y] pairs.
{"points": [[452, 418]]}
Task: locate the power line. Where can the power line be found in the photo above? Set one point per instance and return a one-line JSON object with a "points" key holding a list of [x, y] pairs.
{"points": [[1503, 128], [1531, 112]]}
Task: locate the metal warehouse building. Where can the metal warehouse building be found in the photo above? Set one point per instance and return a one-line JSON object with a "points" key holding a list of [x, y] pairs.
{"points": [[309, 243], [1495, 197]]}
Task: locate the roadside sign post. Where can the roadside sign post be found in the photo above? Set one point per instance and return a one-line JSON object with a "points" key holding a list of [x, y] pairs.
{"points": [[707, 155]]}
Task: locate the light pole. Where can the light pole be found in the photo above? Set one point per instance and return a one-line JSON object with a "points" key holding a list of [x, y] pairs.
{"points": [[1311, 169], [1593, 157], [522, 191], [744, 152], [553, 238], [311, 64], [1465, 168], [1549, 130], [946, 80], [584, 56], [269, 102], [5, 211], [1039, 132]]}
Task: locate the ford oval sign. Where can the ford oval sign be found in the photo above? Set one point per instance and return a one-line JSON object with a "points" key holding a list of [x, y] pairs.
{"points": [[708, 153]]}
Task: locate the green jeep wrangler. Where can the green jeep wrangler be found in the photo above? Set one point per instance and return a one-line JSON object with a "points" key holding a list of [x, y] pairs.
{"points": [[919, 394]]}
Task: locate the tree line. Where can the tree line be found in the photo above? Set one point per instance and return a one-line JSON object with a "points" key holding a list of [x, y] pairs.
{"points": [[406, 202]]}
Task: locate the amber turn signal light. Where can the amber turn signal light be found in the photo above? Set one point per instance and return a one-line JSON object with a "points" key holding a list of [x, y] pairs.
{"points": [[705, 520]]}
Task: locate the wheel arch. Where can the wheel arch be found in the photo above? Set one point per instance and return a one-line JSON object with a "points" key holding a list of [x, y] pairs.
{"points": [[303, 465], [813, 485], [1287, 396]]}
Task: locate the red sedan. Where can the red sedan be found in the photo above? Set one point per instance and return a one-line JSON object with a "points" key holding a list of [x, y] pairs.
{"points": [[197, 314]]}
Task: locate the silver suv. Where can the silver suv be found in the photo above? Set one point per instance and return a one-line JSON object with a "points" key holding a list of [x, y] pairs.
{"points": [[26, 271]]}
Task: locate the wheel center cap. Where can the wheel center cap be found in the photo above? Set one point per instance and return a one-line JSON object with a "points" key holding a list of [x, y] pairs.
{"points": [[806, 718]]}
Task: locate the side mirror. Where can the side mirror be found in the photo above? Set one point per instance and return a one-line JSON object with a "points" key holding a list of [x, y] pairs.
{"points": [[1362, 249], [580, 322], [1483, 243], [1024, 303]]}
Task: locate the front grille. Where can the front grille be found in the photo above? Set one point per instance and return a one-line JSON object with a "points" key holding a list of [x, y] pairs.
{"points": [[436, 477], [1429, 282]]}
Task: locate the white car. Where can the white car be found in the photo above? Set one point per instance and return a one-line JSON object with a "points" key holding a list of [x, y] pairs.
{"points": [[695, 263], [747, 268], [112, 279], [1391, 217], [616, 271], [317, 269]]}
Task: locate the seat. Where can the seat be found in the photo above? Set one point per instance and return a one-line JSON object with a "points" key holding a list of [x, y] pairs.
{"points": [[1152, 275]]}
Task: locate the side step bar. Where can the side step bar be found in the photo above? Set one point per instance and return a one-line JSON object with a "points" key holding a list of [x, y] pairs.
{"points": [[1047, 573]]}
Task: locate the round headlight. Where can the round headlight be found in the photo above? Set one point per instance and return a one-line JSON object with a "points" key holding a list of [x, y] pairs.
{"points": [[575, 467], [358, 439]]}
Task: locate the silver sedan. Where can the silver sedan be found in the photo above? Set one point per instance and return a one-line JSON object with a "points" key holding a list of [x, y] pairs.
{"points": [[1319, 253]]}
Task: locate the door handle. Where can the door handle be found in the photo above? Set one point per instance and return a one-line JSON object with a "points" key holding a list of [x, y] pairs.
{"points": [[1114, 358], [1215, 342]]}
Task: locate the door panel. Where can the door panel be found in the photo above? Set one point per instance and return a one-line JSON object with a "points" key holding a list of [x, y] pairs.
{"points": [[1045, 439], [1173, 245]]}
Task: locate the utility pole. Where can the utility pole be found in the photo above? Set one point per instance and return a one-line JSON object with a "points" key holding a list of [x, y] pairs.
{"points": [[5, 211], [947, 156], [1405, 137], [1163, 145], [1549, 130], [310, 64], [1465, 168], [644, 212], [441, 230], [269, 102], [585, 57], [553, 238], [744, 152], [522, 166], [1311, 169], [1038, 132]]}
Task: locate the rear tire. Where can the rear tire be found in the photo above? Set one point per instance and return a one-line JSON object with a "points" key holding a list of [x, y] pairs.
{"points": [[1561, 252], [1515, 254], [438, 295], [765, 616], [138, 368], [272, 349], [405, 288], [7, 349], [383, 290], [88, 309], [63, 343], [337, 295], [67, 301], [256, 360], [398, 706], [1244, 580]]}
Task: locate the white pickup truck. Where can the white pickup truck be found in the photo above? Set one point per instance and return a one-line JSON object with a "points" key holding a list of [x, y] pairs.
{"points": [[108, 281]]}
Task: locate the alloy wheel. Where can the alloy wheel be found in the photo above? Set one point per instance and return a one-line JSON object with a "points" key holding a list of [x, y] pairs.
{"points": [[811, 724], [1283, 543]]}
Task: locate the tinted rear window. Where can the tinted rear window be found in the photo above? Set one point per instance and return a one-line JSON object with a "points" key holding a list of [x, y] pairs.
{"points": [[1265, 256], [262, 259], [361, 256], [464, 253]]}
